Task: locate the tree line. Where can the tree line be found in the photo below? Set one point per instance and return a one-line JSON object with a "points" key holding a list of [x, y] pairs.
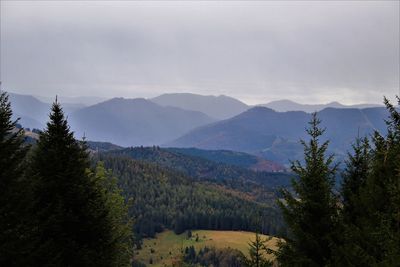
{"points": [[54, 209]]}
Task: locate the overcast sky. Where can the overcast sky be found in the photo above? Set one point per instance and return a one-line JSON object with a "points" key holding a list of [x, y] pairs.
{"points": [[256, 51]]}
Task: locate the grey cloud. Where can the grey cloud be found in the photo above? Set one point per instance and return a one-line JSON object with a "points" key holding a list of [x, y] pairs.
{"points": [[258, 51]]}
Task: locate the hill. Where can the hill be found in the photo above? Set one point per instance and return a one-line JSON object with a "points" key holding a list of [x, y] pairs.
{"points": [[240, 159], [32, 136], [130, 122], [259, 186], [102, 146], [276, 135], [288, 105], [166, 199], [166, 247], [218, 107]]}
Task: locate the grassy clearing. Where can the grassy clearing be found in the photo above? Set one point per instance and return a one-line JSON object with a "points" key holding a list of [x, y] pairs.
{"points": [[167, 246]]}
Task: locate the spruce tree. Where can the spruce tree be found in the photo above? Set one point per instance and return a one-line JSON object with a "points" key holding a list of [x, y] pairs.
{"points": [[71, 220], [12, 194], [348, 248], [257, 250], [122, 238], [311, 212], [354, 179], [380, 223]]}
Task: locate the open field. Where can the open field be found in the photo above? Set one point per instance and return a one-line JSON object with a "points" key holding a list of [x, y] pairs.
{"points": [[167, 246]]}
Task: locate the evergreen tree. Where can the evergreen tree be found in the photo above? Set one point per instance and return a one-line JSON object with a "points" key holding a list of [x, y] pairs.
{"points": [[311, 213], [354, 178], [380, 223], [257, 250], [12, 194], [72, 226], [179, 226], [122, 238], [348, 252]]}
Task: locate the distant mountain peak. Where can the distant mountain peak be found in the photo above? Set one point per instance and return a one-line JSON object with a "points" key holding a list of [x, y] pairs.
{"points": [[218, 107], [334, 103], [289, 105], [259, 109]]}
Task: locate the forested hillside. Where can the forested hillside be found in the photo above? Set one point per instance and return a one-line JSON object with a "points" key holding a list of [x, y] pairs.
{"points": [[165, 199], [206, 170], [240, 159]]}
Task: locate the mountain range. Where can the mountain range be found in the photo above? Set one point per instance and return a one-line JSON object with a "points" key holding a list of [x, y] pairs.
{"points": [[188, 120], [276, 135]]}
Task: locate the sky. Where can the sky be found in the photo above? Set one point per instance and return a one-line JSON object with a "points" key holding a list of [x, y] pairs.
{"points": [[309, 52]]}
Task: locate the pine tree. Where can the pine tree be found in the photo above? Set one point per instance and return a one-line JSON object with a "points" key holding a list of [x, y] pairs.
{"points": [[354, 178], [311, 213], [13, 230], [257, 250], [348, 252], [122, 238], [380, 223], [71, 218]]}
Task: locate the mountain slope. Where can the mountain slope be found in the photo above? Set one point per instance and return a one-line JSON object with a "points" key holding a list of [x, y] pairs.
{"points": [[261, 185], [219, 107], [288, 105], [130, 122], [33, 112], [163, 198], [234, 158], [248, 132], [275, 135]]}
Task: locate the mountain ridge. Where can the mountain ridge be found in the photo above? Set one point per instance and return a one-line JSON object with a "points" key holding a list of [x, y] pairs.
{"points": [[129, 122], [284, 105], [276, 135], [218, 107]]}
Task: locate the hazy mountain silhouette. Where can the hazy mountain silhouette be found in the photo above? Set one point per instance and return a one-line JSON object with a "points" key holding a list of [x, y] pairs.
{"points": [[219, 107], [131, 122], [259, 130], [288, 105], [34, 113], [275, 135], [79, 101]]}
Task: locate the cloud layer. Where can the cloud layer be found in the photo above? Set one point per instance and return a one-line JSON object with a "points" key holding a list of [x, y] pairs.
{"points": [[256, 51]]}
